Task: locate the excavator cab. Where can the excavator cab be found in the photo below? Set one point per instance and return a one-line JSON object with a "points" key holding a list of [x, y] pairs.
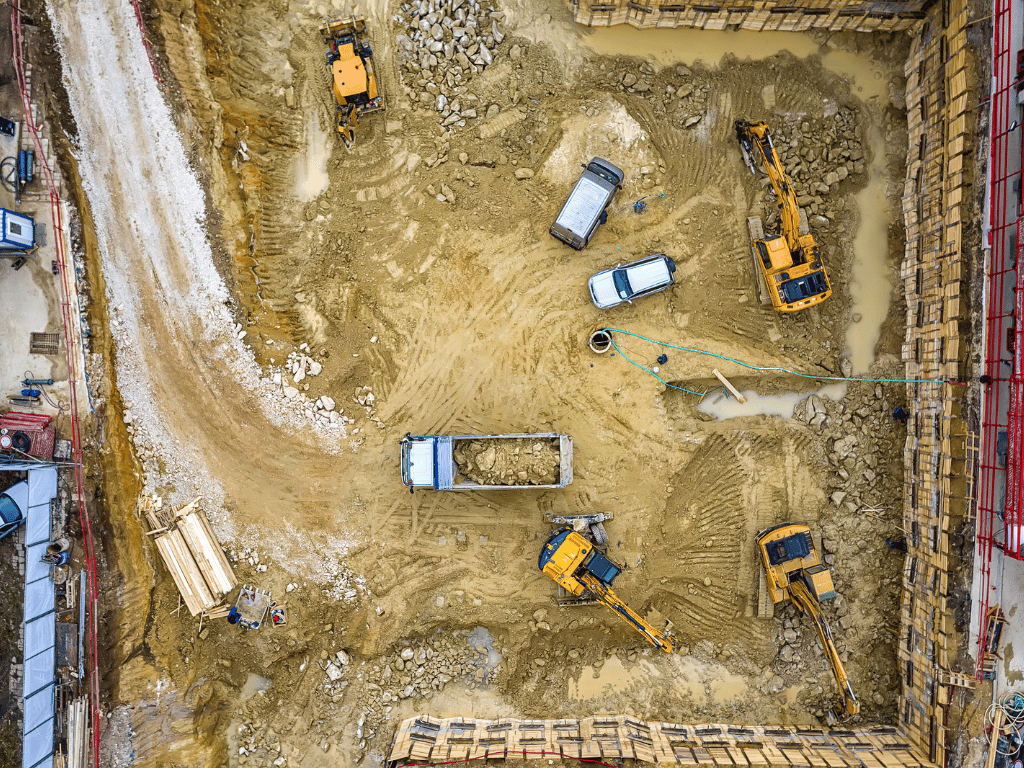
{"points": [[794, 572], [353, 78], [788, 265], [579, 567]]}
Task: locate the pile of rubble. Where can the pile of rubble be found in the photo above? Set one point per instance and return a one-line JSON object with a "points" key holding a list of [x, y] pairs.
{"points": [[446, 43], [526, 461], [259, 746], [818, 155], [861, 429]]}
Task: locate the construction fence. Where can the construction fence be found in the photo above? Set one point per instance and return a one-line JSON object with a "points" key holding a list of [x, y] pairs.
{"points": [[435, 740], [758, 16]]}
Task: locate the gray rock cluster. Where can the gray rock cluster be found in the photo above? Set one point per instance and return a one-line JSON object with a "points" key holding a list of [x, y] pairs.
{"points": [[818, 155], [443, 45], [861, 429], [430, 666], [259, 746]]}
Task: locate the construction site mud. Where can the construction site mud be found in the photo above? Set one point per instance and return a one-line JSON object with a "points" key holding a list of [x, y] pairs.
{"points": [[348, 297]]}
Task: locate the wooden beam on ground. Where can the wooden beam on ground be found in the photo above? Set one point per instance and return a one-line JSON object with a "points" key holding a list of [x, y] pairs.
{"points": [[725, 383]]}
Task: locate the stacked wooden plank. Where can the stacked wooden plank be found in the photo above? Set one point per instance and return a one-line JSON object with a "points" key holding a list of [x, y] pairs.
{"points": [[436, 740], [192, 554], [759, 15], [940, 453]]}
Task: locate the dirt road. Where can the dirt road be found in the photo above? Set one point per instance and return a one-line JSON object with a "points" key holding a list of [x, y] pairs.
{"points": [[421, 286]]}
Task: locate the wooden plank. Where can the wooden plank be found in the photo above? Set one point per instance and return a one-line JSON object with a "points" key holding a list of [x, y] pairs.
{"points": [[208, 554], [185, 572]]}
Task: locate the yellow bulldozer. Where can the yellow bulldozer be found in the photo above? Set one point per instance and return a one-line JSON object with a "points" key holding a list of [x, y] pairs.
{"points": [[788, 266], [354, 79], [583, 571], [794, 571]]}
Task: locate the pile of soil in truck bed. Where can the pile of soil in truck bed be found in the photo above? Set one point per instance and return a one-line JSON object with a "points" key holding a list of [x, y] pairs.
{"points": [[516, 461]]}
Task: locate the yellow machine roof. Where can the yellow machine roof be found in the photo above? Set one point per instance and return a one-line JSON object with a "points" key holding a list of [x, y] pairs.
{"points": [[349, 73]]}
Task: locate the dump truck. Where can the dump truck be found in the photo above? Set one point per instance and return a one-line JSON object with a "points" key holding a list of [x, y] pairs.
{"points": [[486, 462], [353, 77], [793, 571], [581, 568], [788, 266]]}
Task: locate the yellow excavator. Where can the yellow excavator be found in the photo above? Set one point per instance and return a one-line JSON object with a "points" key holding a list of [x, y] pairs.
{"points": [[354, 78], [794, 571], [582, 570], [788, 266]]}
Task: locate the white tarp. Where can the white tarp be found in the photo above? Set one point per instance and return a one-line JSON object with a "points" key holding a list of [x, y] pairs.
{"points": [[38, 709], [42, 485], [38, 600], [40, 628], [35, 568]]}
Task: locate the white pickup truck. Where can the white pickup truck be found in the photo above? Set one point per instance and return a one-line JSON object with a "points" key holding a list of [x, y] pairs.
{"points": [[487, 462]]}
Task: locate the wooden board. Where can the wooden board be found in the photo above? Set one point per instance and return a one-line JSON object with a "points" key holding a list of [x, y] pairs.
{"points": [[185, 572], [208, 554]]}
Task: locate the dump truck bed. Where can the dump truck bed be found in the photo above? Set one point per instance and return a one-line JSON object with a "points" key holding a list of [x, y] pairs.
{"points": [[451, 462]]}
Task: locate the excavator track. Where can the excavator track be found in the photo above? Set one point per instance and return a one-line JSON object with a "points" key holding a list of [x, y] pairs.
{"points": [[755, 228]]}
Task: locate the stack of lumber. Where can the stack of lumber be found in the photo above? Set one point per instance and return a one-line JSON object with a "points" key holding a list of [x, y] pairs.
{"points": [[192, 554]]}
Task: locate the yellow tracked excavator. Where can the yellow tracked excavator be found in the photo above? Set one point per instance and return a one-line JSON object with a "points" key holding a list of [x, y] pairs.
{"points": [[794, 571], [579, 567], [788, 266], [354, 79]]}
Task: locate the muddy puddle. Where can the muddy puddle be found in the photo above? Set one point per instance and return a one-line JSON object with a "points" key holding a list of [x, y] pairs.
{"points": [[311, 177], [688, 46], [722, 407], [870, 283]]}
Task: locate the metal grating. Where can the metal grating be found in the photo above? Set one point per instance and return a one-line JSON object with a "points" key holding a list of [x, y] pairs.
{"points": [[44, 344]]}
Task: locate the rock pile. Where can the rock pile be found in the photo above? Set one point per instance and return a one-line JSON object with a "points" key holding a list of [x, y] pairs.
{"points": [[523, 461], [259, 746], [446, 43], [861, 429], [413, 672], [818, 155]]}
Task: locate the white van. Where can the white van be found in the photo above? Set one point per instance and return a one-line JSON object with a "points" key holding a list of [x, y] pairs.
{"points": [[585, 208]]}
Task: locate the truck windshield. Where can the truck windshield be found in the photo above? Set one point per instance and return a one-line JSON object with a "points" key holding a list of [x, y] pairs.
{"points": [[622, 284], [599, 171], [9, 511]]}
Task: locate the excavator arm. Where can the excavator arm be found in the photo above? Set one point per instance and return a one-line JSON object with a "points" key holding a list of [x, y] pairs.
{"points": [[756, 141], [666, 641], [805, 603]]}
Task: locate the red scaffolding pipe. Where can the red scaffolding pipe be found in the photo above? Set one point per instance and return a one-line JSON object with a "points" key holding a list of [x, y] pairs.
{"points": [[1001, 486], [66, 270]]}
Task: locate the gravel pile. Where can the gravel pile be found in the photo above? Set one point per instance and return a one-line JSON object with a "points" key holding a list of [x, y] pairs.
{"points": [[443, 45]]}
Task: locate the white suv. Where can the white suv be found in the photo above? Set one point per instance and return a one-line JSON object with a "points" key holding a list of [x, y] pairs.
{"points": [[614, 286]]}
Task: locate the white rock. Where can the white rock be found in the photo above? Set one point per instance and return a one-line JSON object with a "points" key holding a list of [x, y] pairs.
{"points": [[290, 392], [277, 379], [333, 672], [327, 403], [343, 658], [315, 368], [299, 375], [290, 588]]}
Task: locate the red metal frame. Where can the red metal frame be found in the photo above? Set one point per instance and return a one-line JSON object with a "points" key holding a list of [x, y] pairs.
{"points": [[1003, 396]]}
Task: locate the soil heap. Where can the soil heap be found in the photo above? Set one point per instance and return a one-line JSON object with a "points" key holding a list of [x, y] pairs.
{"points": [[519, 461]]}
